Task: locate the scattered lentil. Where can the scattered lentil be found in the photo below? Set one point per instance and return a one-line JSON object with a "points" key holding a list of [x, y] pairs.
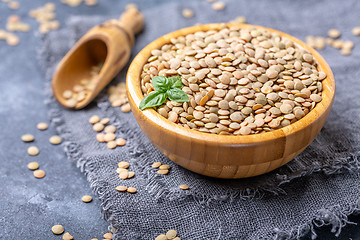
{"points": [[86, 198], [117, 94], [45, 16], [126, 108], [121, 188], [110, 129], [111, 144], [108, 235], [187, 13], [33, 165], [91, 2], [156, 165], [356, 31], [120, 141], [239, 20], [123, 164], [14, 5], [67, 236], [184, 187], [27, 138], [163, 172], [100, 137], [94, 119], [171, 234], [218, 6], [14, 24], [131, 190], [105, 121], [98, 127], [42, 126], [55, 140], [33, 151], [57, 229], [334, 33], [39, 173], [131, 174]]}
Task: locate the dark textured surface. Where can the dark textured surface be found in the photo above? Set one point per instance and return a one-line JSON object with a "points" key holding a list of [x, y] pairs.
{"points": [[29, 207]]}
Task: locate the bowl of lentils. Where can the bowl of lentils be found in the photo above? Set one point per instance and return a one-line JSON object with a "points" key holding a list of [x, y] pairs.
{"points": [[230, 100]]}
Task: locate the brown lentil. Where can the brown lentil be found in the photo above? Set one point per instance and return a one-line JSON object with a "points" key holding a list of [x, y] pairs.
{"points": [[57, 229], [33, 151], [94, 119], [184, 187], [156, 165], [171, 234], [42, 126], [33, 165], [131, 190], [163, 172], [334, 33], [27, 138], [120, 142], [39, 173], [121, 188], [108, 235], [55, 140], [67, 236], [111, 144], [232, 75], [86, 198], [356, 31]]}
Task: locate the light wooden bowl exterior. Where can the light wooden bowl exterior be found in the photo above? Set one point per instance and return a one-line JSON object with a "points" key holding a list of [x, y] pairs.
{"points": [[225, 156]]}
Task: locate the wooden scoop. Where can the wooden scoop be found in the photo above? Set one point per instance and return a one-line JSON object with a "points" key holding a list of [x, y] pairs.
{"points": [[95, 60]]}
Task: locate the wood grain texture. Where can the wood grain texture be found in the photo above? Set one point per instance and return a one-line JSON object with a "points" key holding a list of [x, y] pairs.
{"points": [[109, 43], [226, 156]]}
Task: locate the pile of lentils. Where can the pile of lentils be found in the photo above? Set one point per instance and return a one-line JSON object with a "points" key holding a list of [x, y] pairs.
{"points": [[239, 81]]}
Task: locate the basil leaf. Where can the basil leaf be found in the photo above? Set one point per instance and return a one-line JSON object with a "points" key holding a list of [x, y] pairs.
{"points": [[153, 99], [161, 83], [176, 82], [177, 95]]}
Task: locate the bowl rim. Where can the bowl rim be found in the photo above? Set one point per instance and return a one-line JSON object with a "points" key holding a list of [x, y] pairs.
{"points": [[135, 94]]}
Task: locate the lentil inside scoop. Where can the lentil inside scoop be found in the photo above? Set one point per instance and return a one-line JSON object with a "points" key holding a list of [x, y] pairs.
{"points": [[239, 81]]}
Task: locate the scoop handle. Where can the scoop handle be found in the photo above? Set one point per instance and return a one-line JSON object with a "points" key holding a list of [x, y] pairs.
{"points": [[133, 20]]}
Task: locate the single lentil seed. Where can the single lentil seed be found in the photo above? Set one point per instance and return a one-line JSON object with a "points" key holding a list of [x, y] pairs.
{"points": [[156, 165], [67, 236], [33, 151], [42, 126], [57, 229], [108, 235], [33, 165], [120, 142], [184, 187], [98, 127], [86, 198], [121, 188], [131, 190], [55, 140], [171, 234], [163, 172], [111, 144], [39, 173], [27, 138]]}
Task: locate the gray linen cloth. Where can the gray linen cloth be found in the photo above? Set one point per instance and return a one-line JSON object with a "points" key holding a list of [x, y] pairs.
{"points": [[319, 187]]}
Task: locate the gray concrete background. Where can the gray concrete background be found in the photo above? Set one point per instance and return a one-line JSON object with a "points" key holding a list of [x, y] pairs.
{"points": [[29, 206]]}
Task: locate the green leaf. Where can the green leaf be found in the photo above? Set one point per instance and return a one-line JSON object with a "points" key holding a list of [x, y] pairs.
{"points": [[176, 82], [153, 99], [177, 95], [161, 83]]}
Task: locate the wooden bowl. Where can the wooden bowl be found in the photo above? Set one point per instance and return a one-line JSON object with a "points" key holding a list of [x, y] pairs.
{"points": [[226, 156]]}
